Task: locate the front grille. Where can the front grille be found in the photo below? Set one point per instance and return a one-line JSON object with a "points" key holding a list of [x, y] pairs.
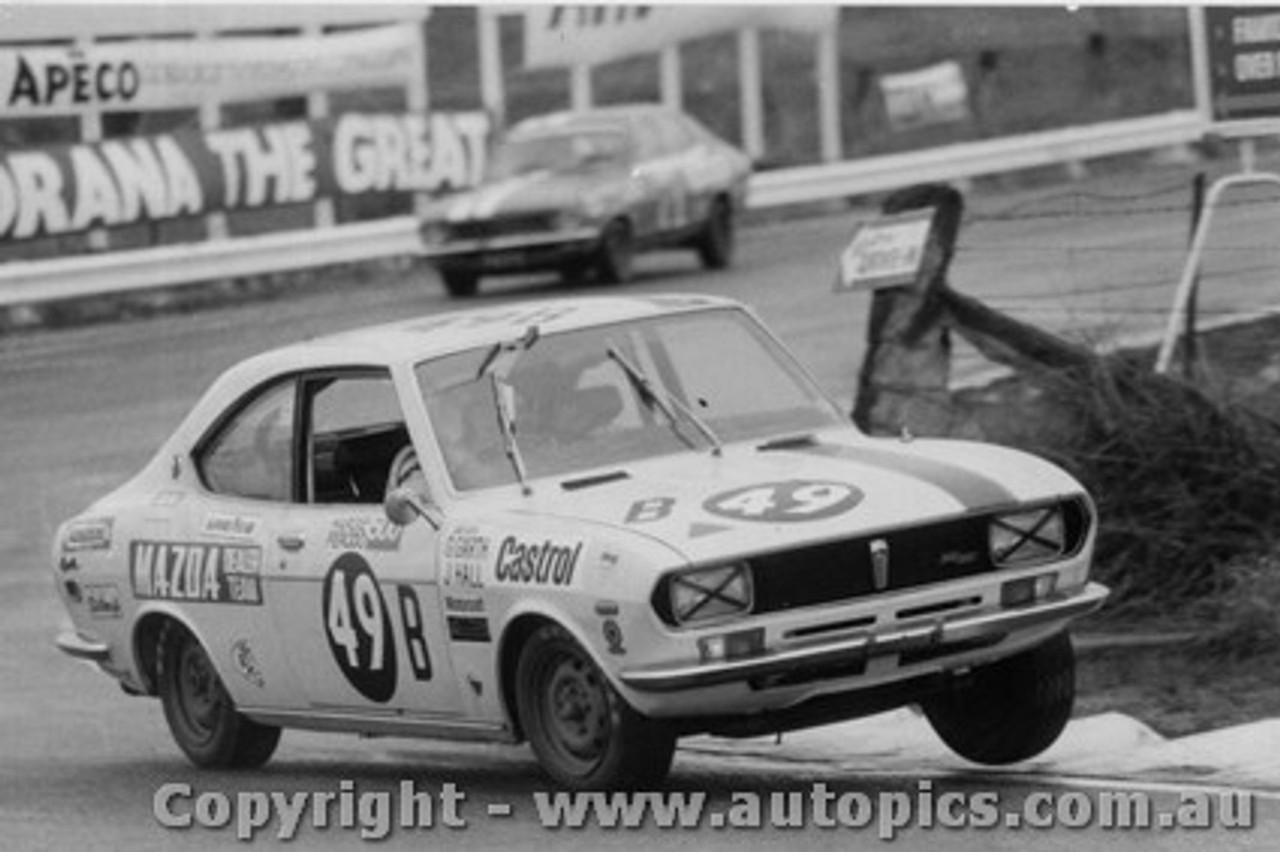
{"points": [[505, 226], [842, 570]]}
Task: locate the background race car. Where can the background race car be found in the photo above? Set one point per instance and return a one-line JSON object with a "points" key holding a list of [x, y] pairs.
{"points": [[581, 192]]}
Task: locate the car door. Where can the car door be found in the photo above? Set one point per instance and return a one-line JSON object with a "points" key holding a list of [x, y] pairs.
{"points": [[358, 598], [661, 174]]}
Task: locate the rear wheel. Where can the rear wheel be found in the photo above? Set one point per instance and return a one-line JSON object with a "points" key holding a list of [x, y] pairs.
{"points": [[583, 732], [616, 254], [200, 713], [715, 244], [460, 283], [1010, 710]]}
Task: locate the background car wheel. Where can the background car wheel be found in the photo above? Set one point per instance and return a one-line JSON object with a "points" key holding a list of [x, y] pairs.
{"points": [[1010, 710], [616, 254], [459, 283], [715, 245], [200, 713], [582, 731]]}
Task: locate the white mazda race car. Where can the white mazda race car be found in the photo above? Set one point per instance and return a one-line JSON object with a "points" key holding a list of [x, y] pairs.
{"points": [[596, 525]]}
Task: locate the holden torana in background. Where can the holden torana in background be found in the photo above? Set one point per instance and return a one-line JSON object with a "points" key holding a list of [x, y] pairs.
{"points": [[581, 192], [595, 525]]}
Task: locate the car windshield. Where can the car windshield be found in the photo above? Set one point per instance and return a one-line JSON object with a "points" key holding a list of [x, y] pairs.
{"points": [[557, 152], [574, 407]]}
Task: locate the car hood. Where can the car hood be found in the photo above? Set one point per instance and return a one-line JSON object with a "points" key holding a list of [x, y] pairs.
{"points": [[708, 507], [528, 193]]}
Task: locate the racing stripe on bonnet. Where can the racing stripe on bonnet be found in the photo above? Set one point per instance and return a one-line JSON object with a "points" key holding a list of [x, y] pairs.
{"points": [[972, 490]]}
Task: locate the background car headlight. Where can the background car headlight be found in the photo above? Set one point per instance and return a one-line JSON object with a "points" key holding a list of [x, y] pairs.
{"points": [[1039, 534], [433, 233], [705, 594]]}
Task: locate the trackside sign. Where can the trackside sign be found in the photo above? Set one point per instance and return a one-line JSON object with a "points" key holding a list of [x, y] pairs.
{"points": [[884, 252], [1244, 62], [72, 188]]}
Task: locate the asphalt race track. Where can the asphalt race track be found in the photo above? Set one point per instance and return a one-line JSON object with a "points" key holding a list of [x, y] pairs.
{"points": [[80, 410]]}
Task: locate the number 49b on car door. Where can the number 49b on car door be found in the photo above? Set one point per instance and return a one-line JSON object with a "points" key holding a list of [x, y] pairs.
{"points": [[364, 618]]}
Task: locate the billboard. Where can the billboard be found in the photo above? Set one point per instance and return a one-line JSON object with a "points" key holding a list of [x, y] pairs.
{"points": [[157, 74], [562, 35], [73, 188], [1244, 62]]}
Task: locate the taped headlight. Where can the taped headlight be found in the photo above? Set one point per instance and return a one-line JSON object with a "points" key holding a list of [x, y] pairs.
{"points": [[710, 594], [1028, 537]]}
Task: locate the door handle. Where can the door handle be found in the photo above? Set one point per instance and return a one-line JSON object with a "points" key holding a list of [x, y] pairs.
{"points": [[292, 541]]}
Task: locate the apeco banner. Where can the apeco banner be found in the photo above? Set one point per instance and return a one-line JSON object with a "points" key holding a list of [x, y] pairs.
{"points": [[170, 74], [558, 35], [1244, 62], [146, 178]]}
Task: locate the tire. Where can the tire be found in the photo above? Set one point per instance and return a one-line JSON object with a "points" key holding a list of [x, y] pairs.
{"points": [[461, 284], [616, 255], [715, 244], [201, 716], [586, 737], [1010, 710]]}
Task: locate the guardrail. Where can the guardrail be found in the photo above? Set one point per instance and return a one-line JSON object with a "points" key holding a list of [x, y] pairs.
{"points": [[26, 282]]}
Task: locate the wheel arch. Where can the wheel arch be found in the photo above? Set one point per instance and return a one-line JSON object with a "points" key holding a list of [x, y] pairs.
{"points": [[514, 635], [147, 632]]}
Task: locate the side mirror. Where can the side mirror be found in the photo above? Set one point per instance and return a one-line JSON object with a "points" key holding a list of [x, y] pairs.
{"points": [[403, 506]]}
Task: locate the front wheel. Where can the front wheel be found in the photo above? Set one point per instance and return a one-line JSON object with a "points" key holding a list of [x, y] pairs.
{"points": [[584, 734], [1009, 710], [715, 243], [460, 284], [200, 713], [616, 254]]}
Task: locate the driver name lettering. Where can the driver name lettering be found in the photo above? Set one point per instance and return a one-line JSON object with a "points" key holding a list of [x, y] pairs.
{"points": [[199, 573], [541, 563]]}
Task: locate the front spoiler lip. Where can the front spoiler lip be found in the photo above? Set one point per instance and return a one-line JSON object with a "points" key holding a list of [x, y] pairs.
{"points": [[937, 632], [74, 645], [515, 241]]}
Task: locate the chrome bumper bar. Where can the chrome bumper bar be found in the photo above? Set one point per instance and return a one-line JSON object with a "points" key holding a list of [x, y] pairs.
{"points": [[939, 632], [75, 645]]}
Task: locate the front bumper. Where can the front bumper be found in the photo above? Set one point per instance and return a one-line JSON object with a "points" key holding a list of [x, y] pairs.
{"points": [[935, 633], [75, 645], [515, 253]]}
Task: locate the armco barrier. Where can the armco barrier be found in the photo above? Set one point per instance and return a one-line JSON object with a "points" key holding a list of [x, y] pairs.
{"points": [[23, 282]]}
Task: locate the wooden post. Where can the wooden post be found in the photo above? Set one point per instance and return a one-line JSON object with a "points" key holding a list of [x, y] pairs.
{"points": [[750, 92], [492, 91], [829, 94], [903, 384], [672, 81], [91, 131], [317, 108]]}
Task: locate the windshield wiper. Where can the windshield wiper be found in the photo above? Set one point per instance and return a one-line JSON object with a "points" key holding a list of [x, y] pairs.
{"points": [[511, 348], [507, 426], [668, 404], [497, 366]]}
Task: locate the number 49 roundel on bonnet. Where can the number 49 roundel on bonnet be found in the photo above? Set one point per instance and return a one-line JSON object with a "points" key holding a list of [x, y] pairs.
{"points": [[593, 525]]}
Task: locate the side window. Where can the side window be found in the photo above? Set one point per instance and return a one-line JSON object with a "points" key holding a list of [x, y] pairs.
{"points": [[355, 432], [252, 455]]}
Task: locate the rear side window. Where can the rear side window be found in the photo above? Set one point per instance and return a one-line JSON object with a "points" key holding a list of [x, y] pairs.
{"points": [[252, 454]]}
